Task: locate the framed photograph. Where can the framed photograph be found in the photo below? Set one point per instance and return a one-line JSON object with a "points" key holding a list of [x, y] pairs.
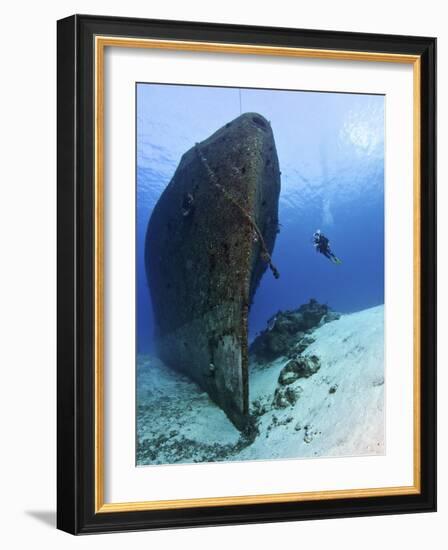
{"points": [[246, 274]]}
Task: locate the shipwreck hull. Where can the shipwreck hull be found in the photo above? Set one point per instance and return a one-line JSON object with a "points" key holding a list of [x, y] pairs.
{"points": [[208, 243]]}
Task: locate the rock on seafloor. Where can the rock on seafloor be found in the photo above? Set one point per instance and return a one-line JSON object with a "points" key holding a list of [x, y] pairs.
{"points": [[288, 332], [207, 243]]}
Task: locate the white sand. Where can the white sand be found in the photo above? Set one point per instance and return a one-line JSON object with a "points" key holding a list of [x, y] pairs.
{"points": [[340, 411]]}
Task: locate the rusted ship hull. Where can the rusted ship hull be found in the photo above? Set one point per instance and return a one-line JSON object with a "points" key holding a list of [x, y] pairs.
{"points": [[208, 243]]}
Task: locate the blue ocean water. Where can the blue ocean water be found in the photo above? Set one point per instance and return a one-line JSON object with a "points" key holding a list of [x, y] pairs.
{"points": [[331, 153]]}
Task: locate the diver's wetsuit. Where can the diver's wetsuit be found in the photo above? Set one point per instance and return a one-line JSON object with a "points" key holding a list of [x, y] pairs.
{"points": [[322, 245]]}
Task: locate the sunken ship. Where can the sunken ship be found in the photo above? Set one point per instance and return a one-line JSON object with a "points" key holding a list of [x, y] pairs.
{"points": [[208, 243]]}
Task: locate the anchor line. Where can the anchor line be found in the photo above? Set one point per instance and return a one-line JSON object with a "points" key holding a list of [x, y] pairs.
{"points": [[265, 256]]}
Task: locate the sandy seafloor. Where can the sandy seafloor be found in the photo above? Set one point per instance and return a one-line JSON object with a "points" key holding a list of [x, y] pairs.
{"points": [[340, 410]]}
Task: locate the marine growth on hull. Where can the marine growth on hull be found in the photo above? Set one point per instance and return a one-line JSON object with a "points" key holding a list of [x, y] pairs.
{"points": [[209, 241]]}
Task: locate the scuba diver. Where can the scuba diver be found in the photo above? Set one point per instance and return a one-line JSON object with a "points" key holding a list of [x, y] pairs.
{"points": [[322, 245]]}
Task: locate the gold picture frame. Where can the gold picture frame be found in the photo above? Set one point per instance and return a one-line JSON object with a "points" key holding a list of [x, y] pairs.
{"points": [[75, 35]]}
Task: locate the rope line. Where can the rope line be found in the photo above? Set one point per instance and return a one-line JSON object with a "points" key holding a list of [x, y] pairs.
{"points": [[265, 256]]}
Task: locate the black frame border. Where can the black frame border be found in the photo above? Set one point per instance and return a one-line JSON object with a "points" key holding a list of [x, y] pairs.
{"points": [[75, 270]]}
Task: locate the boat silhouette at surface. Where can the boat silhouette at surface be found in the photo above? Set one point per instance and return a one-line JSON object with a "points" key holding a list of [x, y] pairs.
{"points": [[209, 241]]}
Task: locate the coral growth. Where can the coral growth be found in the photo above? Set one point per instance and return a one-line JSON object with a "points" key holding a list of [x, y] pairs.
{"points": [[288, 332]]}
